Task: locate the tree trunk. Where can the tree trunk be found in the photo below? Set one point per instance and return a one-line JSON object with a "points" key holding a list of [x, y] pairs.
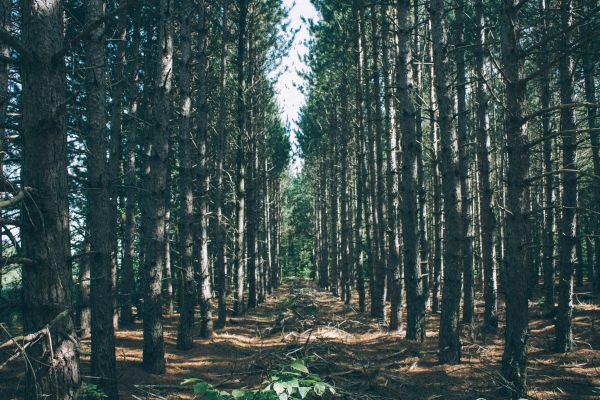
{"points": [[333, 199], [415, 295], [83, 317], [221, 234], [394, 268], [115, 162], [486, 213], [204, 177], [99, 213], [238, 305], [154, 202], [449, 345], [568, 223], [463, 167], [360, 173], [128, 291], [589, 72], [514, 359], [54, 369], [378, 177], [345, 225], [186, 186]]}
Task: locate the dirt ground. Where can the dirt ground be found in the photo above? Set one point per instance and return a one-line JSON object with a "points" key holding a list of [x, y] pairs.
{"points": [[354, 353]]}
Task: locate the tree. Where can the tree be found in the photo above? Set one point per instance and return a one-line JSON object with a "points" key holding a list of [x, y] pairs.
{"points": [[186, 185], [154, 203], [99, 208], [450, 346], [514, 358], [415, 293], [568, 222], [45, 230]]}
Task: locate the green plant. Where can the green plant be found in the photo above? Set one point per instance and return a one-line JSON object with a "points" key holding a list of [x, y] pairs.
{"points": [[291, 381], [89, 391]]}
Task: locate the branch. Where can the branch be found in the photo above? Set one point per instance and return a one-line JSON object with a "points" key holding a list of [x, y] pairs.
{"points": [[16, 260], [539, 140], [6, 221], [13, 200], [33, 336], [9, 60], [558, 107], [90, 28], [9, 39], [8, 186]]}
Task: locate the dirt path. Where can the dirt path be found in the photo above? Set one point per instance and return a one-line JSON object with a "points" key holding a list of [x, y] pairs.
{"points": [[359, 356], [352, 352]]}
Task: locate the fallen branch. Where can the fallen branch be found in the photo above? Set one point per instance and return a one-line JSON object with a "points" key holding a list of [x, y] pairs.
{"points": [[14, 341]]}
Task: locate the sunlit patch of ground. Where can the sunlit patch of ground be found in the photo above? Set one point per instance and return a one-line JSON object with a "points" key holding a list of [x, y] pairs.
{"points": [[357, 354]]}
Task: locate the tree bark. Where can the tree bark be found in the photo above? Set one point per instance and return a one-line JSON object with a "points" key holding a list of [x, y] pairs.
{"points": [[415, 295], [99, 208], [83, 317], [486, 213], [238, 305], [568, 223], [589, 71], [449, 342], [359, 151], [128, 291], [514, 359], [186, 186], [45, 232], [204, 176], [394, 267], [154, 203], [221, 234], [463, 167]]}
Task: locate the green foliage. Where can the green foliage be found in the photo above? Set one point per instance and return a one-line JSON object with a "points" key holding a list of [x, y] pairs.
{"points": [[89, 391], [297, 233], [291, 381]]}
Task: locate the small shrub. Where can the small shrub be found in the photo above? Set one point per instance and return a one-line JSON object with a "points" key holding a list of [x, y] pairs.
{"points": [[291, 381], [90, 391]]}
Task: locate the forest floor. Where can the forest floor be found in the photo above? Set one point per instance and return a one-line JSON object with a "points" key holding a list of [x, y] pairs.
{"points": [[357, 355]]}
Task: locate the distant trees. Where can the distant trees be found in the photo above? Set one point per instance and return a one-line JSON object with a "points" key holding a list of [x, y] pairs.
{"points": [[449, 150], [93, 170], [475, 155]]}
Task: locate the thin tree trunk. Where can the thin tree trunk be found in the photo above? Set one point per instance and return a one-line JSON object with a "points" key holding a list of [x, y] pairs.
{"points": [[568, 224], [487, 219], [415, 295], [345, 225], [360, 173], [589, 72], [186, 186], [238, 305], [204, 176], [378, 177], [115, 164], [463, 167], [449, 344], [333, 199], [394, 268], [514, 359], [154, 203], [83, 317], [99, 211], [128, 291], [221, 234]]}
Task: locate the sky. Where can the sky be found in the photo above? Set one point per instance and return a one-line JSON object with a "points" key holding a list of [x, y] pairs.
{"points": [[289, 97]]}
